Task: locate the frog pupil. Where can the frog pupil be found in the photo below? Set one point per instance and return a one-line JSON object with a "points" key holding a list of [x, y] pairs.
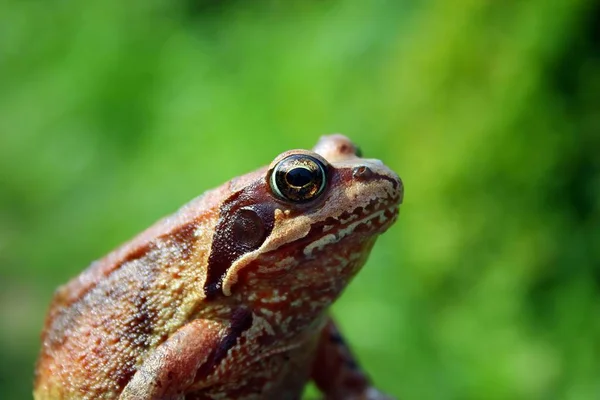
{"points": [[299, 177]]}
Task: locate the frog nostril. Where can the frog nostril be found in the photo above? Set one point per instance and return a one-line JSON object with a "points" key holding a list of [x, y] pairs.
{"points": [[362, 172]]}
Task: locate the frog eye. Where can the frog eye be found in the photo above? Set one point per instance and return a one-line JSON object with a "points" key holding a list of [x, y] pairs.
{"points": [[298, 178]]}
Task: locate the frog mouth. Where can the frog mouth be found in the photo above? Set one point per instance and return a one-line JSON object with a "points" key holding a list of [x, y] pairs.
{"points": [[377, 214], [378, 221], [362, 221]]}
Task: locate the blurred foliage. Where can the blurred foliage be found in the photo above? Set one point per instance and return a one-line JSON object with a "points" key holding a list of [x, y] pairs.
{"points": [[114, 113]]}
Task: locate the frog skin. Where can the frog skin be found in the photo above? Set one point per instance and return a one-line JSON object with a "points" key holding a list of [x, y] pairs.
{"points": [[228, 298]]}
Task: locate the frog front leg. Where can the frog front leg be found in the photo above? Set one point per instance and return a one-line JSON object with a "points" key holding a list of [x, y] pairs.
{"points": [[172, 366], [187, 356], [336, 372]]}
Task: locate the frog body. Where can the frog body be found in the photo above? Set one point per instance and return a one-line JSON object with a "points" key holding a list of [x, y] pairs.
{"points": [[228, 298]]}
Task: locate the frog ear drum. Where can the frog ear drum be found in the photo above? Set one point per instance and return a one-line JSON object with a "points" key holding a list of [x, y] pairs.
{"points": [[238, 232], [298, 178]]}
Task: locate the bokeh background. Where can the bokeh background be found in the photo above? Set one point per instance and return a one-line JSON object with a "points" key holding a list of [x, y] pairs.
{"points": [[114, 113]]}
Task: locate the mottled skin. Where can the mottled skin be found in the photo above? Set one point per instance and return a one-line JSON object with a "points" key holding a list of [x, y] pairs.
{"points": [[228, 297]]}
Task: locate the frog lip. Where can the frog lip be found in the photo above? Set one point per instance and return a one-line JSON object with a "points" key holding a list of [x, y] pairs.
{"points": [[375, 221], [361, 222], [377, 211]]}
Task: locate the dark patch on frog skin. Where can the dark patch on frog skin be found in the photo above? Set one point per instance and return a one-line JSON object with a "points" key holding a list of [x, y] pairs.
{"points": [[241, 321], [138, 330], [246, 219]]}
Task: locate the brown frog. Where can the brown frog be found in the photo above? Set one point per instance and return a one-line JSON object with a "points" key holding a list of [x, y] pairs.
{"points": [[228, 298]]}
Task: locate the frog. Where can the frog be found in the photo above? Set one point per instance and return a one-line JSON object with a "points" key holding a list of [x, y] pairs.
{"points": [[230, 296]]}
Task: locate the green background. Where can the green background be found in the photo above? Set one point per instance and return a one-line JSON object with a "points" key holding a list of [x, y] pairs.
{"points": [[113, 114]]}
